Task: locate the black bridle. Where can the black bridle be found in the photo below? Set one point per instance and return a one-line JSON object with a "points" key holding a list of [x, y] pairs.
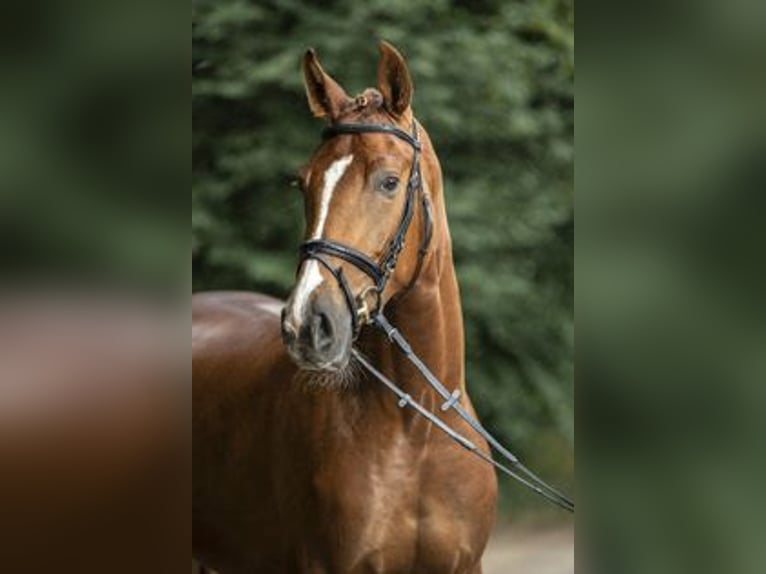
{"points": [[380, 271]]}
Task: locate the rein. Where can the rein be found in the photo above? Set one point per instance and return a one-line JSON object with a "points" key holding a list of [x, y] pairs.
{"points": [[516, 471], [380, 271]]}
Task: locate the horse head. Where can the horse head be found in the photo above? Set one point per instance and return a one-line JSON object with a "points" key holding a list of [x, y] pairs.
{"points": [[367, 209]]}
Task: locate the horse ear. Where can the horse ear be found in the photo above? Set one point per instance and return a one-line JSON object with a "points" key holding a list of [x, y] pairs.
{"points": [[394, 80], [326, 97]]}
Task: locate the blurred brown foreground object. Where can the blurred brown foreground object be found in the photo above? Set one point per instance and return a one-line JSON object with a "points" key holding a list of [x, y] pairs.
{"points": [[94, 439]]}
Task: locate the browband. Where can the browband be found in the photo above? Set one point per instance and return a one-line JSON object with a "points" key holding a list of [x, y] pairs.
{"points": [[338, 129]]}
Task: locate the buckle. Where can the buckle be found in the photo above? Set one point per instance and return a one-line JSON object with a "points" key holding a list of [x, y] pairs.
{"points": [[363, 311], [450, 402]]}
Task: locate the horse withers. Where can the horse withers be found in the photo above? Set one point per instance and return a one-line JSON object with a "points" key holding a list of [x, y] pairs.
{"points": [[302, 462]]}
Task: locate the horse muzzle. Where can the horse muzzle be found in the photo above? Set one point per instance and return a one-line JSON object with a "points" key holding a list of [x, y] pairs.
{"points": [[318, 334]]}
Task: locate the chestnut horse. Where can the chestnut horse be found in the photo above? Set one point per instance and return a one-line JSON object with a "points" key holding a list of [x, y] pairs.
{"points": [[302, 462]]}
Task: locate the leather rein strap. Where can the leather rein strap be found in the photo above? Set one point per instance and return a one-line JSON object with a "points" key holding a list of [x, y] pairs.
{"points": [[452, 402], [380, 271]]}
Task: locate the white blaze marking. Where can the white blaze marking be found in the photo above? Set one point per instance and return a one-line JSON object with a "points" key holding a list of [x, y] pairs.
{"points": [[310, 278], [331, 178]]}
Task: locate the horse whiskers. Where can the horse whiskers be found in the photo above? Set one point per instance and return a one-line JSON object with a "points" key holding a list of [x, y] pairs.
{"points": [[352, 372], [344, 378]]}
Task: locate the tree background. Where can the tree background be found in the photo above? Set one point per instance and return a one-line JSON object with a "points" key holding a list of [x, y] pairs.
{"points": [[494, 87]]}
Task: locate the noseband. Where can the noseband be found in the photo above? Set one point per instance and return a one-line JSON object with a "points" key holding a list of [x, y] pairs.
{"points": [[380, 269]]}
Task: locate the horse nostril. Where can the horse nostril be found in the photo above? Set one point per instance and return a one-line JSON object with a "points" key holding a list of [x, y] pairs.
{"points": [[322, 331]]}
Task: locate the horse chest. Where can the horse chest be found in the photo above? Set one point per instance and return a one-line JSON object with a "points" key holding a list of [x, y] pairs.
{"points": [[381, 515]]}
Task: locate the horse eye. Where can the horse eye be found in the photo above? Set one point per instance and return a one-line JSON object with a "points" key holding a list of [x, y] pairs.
{"points": [[390, 183]]}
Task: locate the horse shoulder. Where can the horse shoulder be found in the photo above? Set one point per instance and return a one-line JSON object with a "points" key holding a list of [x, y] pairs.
{"points": [[457, 508]]}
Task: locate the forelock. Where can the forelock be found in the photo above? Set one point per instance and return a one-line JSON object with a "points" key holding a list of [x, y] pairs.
{"points": [[363, 106]]}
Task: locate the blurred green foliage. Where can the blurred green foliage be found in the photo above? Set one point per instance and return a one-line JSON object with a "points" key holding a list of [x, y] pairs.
{"points": [[93, 146], [670, 288], [494, 88]]}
